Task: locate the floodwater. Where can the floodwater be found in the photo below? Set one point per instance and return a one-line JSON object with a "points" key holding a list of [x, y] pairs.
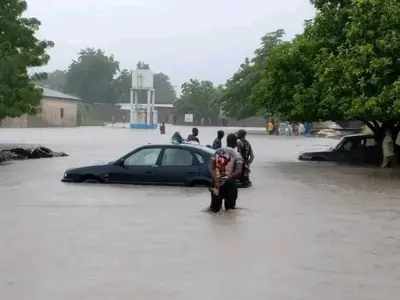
{"points": [[305, 231]]}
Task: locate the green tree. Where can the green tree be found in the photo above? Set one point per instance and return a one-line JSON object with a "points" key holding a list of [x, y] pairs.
{"points": [[142, 66], [288, 88], [344, 66], [20, 51], [364, 73], [200, 98], [55, 80], [91, 76], [165, 92], [237, 100], [121, 87]]}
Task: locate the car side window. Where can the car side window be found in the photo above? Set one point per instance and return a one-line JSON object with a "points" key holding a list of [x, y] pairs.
{"points": [[177, 157], [347, 145], [357, 145], [370, 142], [352, 145], [144, 157], [200, 158]]}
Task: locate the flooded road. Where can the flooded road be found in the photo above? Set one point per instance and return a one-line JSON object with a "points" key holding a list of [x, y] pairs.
{"points": [[305, 231]]}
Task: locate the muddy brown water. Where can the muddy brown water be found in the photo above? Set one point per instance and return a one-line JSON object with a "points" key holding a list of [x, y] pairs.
{"points": [[306, 230]]}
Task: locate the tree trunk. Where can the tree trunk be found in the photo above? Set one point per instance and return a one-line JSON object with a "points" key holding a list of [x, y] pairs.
{"points": [[373, 125]]}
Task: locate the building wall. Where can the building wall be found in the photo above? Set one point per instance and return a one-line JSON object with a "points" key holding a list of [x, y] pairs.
{"points": [[50, 116], [20, 122], [165, 114], [58, 112], [106, 112]]}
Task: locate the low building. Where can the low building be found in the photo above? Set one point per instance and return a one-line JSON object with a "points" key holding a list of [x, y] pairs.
{"points": [[57, 110]]}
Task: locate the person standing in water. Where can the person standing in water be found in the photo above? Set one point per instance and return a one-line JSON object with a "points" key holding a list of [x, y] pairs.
{"points": [[388, 150], [270, 127], [225, 166], [246, 151], [193, 137], [218, 140], [177, 138], [162, 128]]}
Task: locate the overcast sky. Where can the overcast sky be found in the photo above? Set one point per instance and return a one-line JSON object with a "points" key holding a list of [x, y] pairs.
{"points": [[204, 39]]}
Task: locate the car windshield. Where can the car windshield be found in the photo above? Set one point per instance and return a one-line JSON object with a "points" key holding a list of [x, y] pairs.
{"points": [[340, 144], [354, 142]]}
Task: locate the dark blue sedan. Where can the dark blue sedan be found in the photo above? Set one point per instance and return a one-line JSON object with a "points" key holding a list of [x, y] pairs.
{"points": [[165, 164]]}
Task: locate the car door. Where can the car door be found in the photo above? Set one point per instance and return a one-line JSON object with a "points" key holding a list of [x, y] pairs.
{"points": [[177, 166], [139, 167], [351, 151], [372, 151]]}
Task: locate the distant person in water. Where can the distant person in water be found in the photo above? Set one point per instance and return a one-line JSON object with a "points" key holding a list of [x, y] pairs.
{"points": [[388, 150], [218, 140], [246, 151], [225, 167], [270, 127], [193, 136], [162, 128], [176, 138]]}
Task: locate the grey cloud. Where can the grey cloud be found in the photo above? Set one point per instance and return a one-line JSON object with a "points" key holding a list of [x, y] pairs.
{"points": [[185, 39]]}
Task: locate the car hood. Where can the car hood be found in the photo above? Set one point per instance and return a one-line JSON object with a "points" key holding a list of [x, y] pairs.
{"points": [[317, 150], [85, 169]]}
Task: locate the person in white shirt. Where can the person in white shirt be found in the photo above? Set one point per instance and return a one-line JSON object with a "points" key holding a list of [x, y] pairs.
{"points": [[388, 150], [398, 139], [301, 129]]}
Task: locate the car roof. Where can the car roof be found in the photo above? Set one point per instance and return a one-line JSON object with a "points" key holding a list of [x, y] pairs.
{"points": [[359, 135], [187, 146]]}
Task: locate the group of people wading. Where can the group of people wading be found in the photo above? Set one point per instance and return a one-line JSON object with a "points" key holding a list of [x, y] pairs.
{"points": [[229, 166]]}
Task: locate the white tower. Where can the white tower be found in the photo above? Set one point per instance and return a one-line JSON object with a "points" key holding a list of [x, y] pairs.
{"points": [[143, 116]]}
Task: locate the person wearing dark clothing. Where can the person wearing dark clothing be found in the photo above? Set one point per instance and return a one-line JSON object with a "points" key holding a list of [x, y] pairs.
{"points": [[193, 137], [225, 167], [276, 128], [218, 141], [162, 128], [177, 138], [246, 151]]}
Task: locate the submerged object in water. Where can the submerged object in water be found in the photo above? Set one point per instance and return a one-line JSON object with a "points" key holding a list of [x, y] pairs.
{"points": [[21, 153]]}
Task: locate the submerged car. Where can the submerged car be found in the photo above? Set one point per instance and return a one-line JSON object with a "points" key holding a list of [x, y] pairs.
{"points": [[168, 164], [354, 149]]}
